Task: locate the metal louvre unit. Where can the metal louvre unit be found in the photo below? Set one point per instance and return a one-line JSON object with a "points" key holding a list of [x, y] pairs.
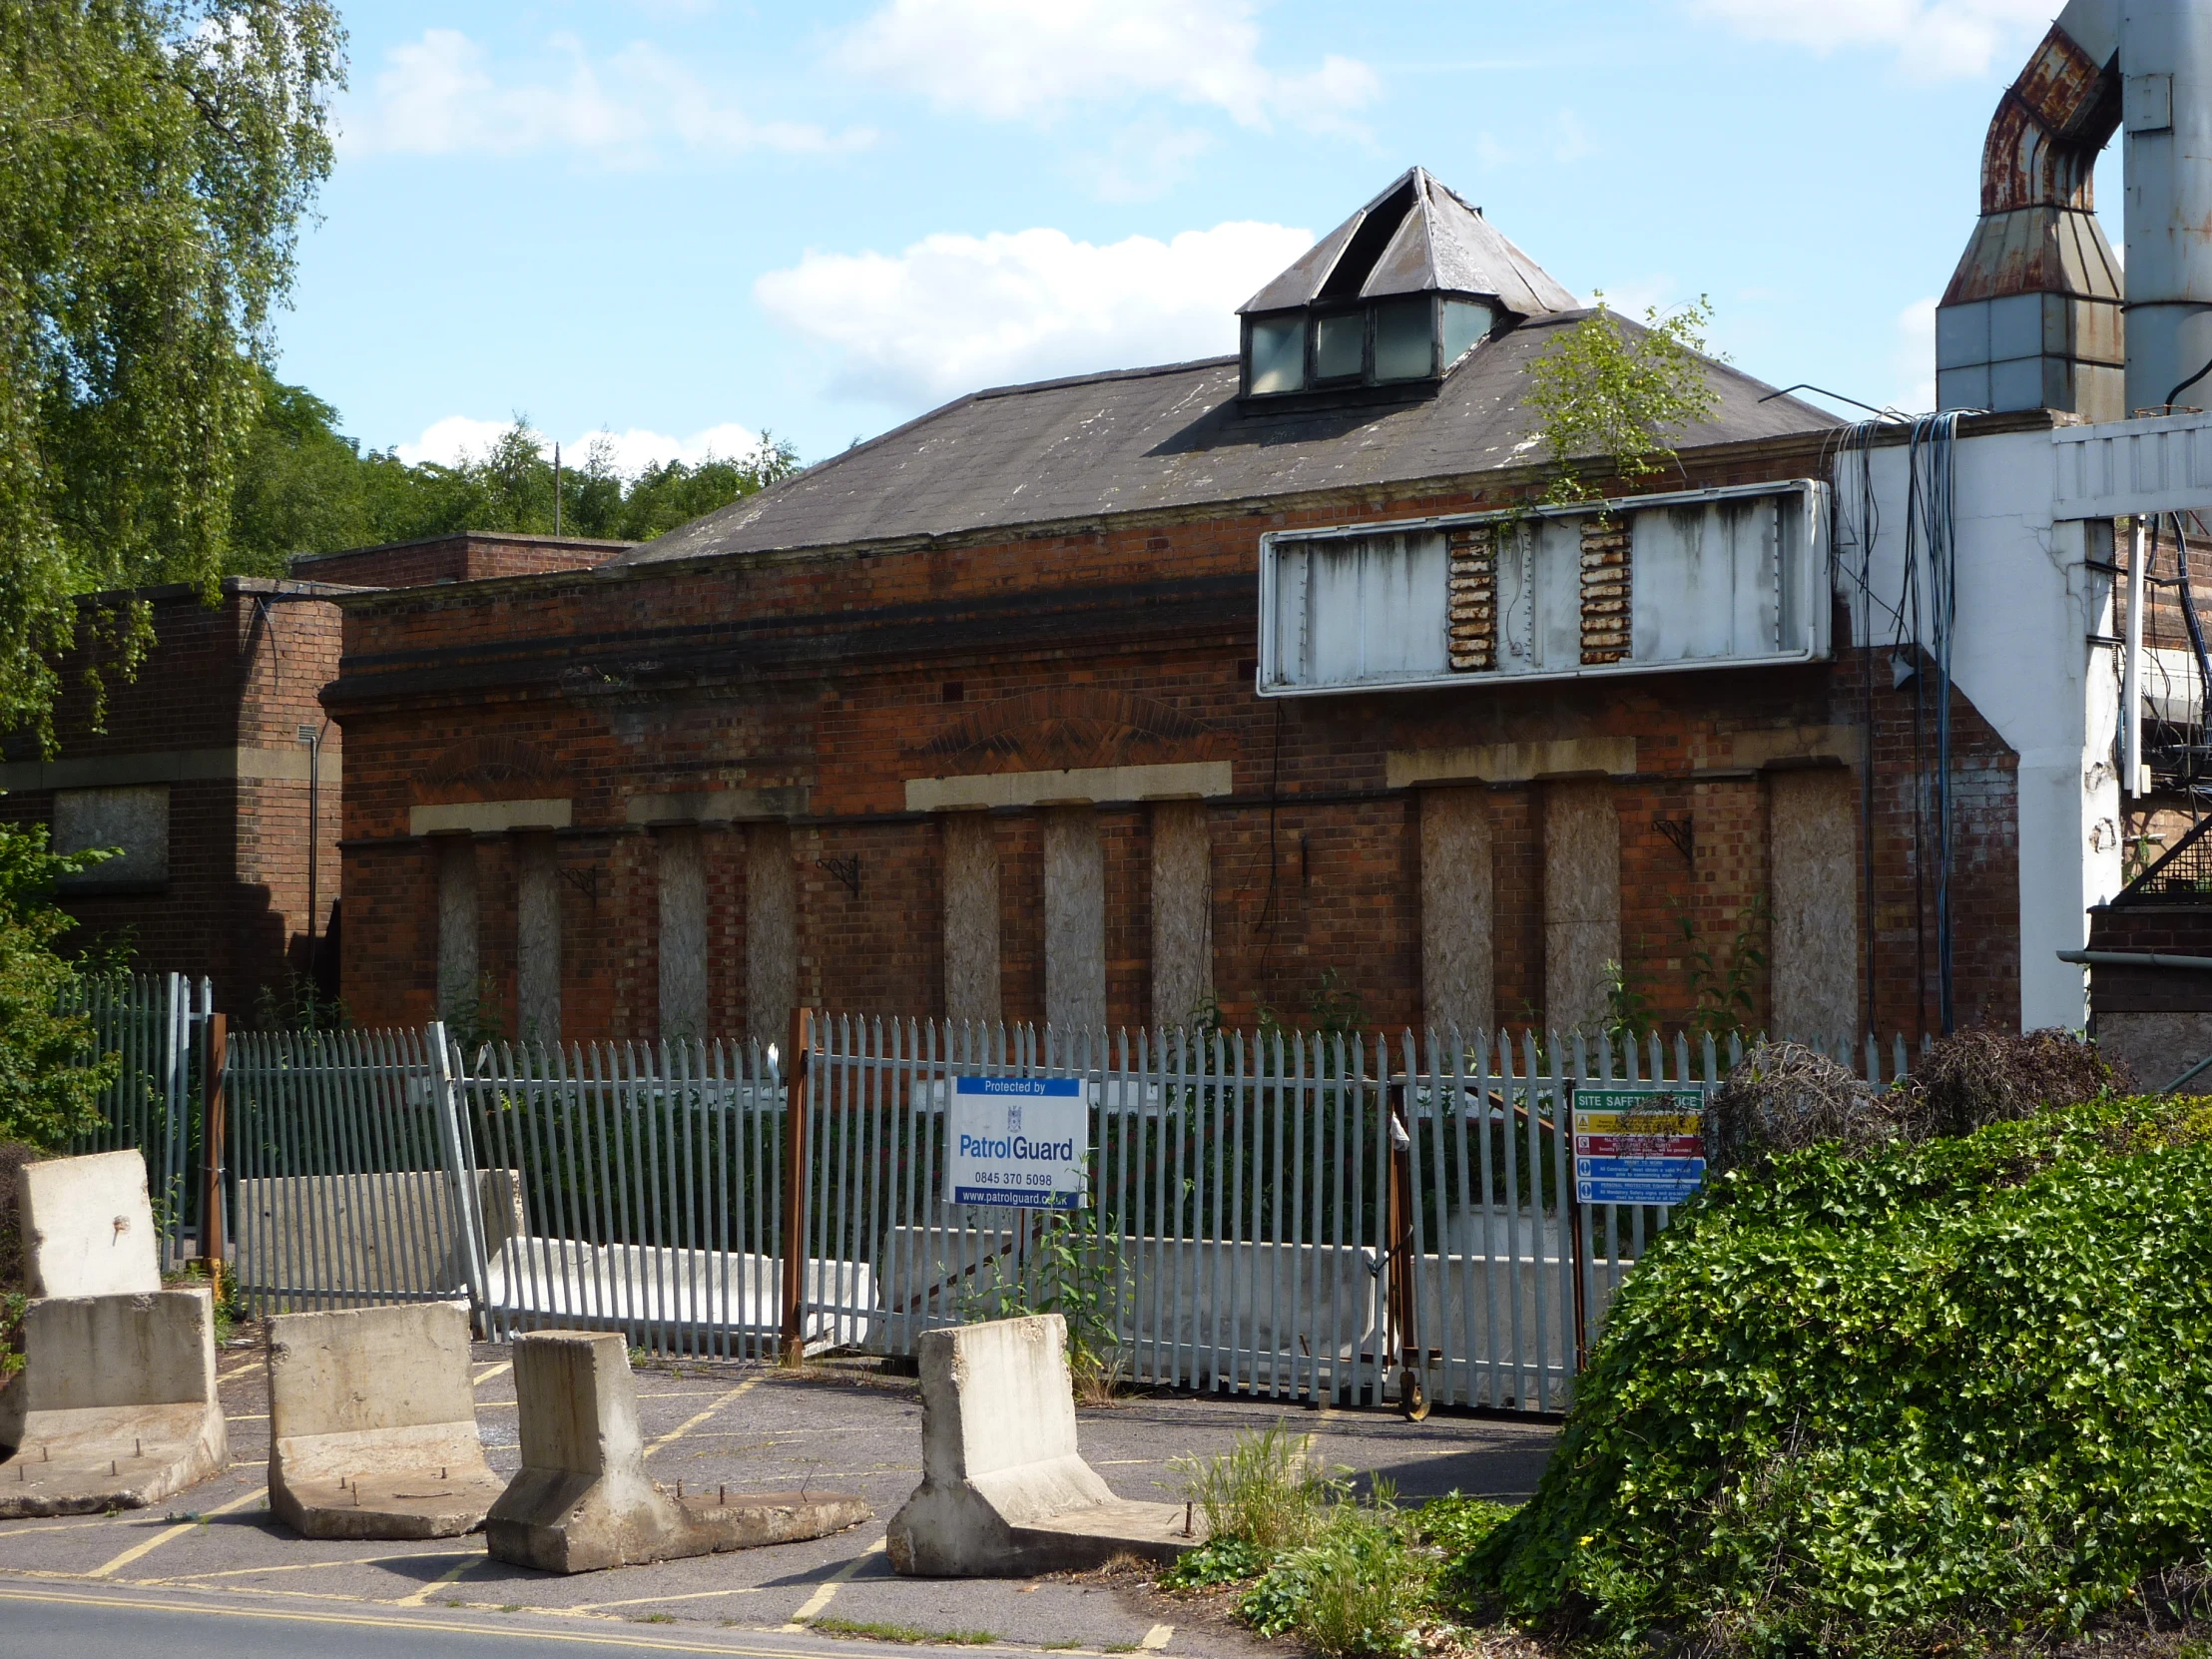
{"points": [[1700, 579]]}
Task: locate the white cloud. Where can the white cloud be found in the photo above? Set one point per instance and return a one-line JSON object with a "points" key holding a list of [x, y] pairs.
{"points": [[1017, 58], [953, 313], [1932, 39], [1570, 139], [1144, 160], [441, 95], [1912, 359], [459, 438]]}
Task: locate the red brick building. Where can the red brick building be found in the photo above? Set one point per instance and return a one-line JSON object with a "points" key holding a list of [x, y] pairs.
{"points": [[1007, 714], [217, 772]]}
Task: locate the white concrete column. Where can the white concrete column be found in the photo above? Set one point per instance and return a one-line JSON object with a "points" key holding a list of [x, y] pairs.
{"points": [[1456, 957], [1582, 900], [457, 922], [683, 943], [970, 917], [537, 938], [770, 933], [1182, 911], [1074, 920], [1813, 850]]}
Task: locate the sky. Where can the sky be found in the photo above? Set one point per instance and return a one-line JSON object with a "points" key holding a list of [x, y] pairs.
{"points": [[682, 223]]}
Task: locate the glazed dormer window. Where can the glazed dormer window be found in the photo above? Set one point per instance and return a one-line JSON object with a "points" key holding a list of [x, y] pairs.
{"points": [[1391, 341], [1395, 298]]}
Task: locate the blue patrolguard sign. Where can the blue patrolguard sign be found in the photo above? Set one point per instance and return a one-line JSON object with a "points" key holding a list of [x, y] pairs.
{"points": [[1017, 1141]]}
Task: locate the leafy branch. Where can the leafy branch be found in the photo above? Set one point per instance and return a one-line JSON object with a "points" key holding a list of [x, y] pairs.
{"points": [[1606, 396]]}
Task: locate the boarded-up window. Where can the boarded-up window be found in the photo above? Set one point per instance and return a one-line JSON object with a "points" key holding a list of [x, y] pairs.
{"points": [[134, 819]]}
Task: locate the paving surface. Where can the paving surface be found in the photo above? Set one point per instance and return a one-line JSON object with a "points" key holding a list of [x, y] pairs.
{"points": [[743, 1426]]}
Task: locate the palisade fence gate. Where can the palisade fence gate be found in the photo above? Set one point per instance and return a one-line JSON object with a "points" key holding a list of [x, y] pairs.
{"points": [[155, 1026], [1350, 1218]]}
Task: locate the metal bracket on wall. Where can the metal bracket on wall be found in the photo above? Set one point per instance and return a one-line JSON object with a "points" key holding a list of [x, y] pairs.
{"points": [[585, 881], [1680, 834], [846, 871]]}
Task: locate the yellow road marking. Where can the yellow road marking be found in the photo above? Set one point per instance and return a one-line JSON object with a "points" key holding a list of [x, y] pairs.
{"points": [[10, 1530], [1158, 1637], [138, 1552], [685, 1428], [640, 1601], [299, 1566], [426, 1621], [246, 1416], [418, 1598], [241, 1368], [821, 1597], [490, 1371]]}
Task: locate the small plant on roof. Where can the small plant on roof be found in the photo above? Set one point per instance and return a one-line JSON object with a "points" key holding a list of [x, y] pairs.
{"points": [[1609, 395]]}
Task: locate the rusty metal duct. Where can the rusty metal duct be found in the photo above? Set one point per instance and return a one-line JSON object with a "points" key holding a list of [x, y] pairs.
{"points": [[2032, 316], [2036, 315]]}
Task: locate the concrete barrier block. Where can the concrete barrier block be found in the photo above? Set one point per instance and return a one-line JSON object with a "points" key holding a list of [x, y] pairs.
{"points": [[115, 1406], [88, 1226], [373, 1424], [1004, 1492], [583, 1501]]}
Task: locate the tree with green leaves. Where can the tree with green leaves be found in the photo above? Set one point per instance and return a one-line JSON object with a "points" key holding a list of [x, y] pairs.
{"points": [[156, 160], [1614, 395], [49, 1082], [306, 488]]}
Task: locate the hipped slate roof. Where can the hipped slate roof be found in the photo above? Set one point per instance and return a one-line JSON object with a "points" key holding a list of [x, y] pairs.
{"points": [[1149, 440], [1418, 236]]}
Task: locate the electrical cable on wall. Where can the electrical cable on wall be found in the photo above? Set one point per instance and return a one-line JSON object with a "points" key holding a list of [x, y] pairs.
{"points": [[1931, 556], [1855, 450]]}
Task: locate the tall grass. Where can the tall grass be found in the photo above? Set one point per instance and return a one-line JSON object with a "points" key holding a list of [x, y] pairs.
{"points": [[1268, 1490]]}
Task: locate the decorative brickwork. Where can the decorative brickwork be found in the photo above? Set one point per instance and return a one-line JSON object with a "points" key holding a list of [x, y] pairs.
{"points": [[1605, 621], [1474, 599]]}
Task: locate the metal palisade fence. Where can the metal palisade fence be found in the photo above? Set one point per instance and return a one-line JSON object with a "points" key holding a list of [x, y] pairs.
{"points": [[155, 1026], [1350, 1218]]}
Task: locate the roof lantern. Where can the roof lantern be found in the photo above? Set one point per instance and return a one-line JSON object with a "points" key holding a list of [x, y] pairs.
{"points": [[1396, 296]]}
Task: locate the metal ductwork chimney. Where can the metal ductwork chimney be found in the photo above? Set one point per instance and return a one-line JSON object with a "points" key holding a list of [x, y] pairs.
{"points": [[2033, 316], [2166, 69], [2031, 319]]}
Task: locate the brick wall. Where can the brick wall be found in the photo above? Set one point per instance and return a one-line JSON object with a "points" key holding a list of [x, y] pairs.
{"points": [[214, 713], [1127, 642], [468, 556]]}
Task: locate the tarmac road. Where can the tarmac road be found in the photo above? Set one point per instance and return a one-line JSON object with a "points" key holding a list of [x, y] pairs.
{"points": [[40, 1622], [211, 1571]]}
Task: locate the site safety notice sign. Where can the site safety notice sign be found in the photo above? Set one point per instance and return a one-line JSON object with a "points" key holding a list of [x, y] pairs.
{"points": [[1638, 1145], [1020, 1141]]}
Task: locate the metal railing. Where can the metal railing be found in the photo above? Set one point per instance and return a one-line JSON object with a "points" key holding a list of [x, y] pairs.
{"points": [[1240, 1194], [154, 1024], [1288, 1216]]}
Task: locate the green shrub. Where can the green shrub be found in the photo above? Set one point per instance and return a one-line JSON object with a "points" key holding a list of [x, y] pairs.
{"points": [[1935, 1395], [1216, 1562], [1358, 1588], [1268, 1490], [1455, 1524]]}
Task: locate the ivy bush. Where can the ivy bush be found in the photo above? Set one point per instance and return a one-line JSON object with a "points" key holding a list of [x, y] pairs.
{"points": [[1948, 1393]]}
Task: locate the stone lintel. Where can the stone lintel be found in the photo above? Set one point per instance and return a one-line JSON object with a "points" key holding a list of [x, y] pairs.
{"points": [[487, 817], [1081, 786]]}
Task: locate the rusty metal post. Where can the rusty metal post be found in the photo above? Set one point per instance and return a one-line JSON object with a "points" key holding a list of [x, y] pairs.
{"points": [[798, 1097], [213, 1115], [1403, 1302]]}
